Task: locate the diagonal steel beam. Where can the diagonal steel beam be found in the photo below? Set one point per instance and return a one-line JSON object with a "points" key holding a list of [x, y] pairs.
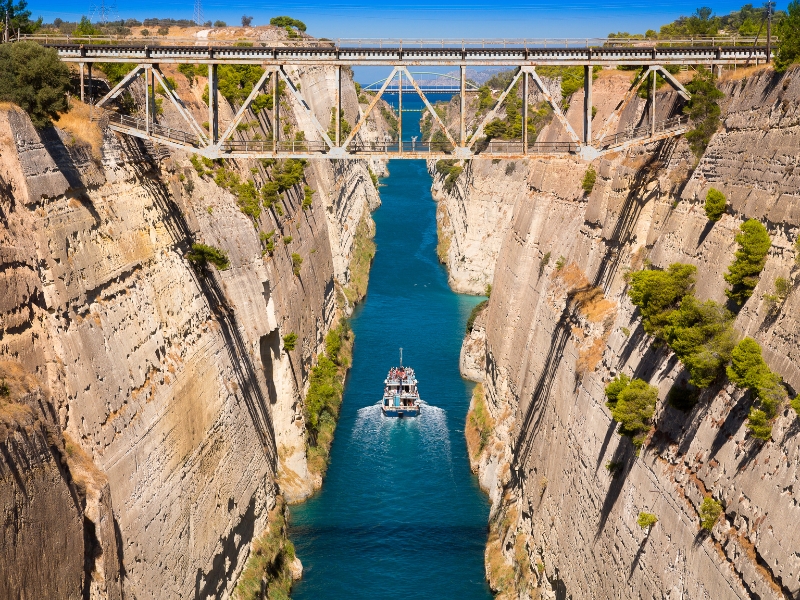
{"points": [[182, 110], [491, 114], [117, 89], [674, 83], [613, 119], [434, 114], [245, 105], [370, 107], [306, 108], [556, 107]]}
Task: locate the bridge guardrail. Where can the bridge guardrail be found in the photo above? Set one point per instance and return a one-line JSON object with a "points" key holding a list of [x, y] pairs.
{"points": [[627, 135], [406, 43]]}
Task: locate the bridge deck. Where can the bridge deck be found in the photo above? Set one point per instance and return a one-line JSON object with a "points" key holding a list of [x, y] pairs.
{"points": [[330, 55]]}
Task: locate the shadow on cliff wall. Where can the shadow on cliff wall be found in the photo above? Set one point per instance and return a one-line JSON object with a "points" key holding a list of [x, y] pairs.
{"points": [[254, 397], [622, 457], [629, 213]]}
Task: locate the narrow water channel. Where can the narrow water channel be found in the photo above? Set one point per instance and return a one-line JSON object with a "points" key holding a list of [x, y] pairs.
{"points": [[400, 515]]}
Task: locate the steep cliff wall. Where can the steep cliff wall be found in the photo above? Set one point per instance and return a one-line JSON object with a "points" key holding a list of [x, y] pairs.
{"points": [[566, 488], [171, 380]]}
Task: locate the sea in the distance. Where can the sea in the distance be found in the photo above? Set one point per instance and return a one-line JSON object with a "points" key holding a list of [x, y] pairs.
{"points": [[400, 515]]}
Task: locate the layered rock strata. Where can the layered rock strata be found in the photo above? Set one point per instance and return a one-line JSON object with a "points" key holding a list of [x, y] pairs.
{"points": [[566, 489], [171, 380]]}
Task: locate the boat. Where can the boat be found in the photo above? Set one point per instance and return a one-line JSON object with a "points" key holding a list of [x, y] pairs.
{"points": [[400, 392]]}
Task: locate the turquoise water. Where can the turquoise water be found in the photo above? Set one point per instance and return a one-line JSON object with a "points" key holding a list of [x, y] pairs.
{"points": [[400, 515]]}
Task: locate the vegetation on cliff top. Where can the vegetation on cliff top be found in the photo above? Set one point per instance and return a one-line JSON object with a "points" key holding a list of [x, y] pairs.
{"points": [[788, 30], [34, 79]]}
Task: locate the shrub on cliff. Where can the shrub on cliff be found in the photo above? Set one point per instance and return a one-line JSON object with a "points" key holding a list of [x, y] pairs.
{"points": [[795, 404], [748, 370], [715, 204], [633, 408], [789, 35], [297, 262], [289, 341], [589, 177], [476, 310], [710, 510], [646, 520], [34, 79], [201, 255], [658, 293], [703, 109], [701, 334], [754, 244]]}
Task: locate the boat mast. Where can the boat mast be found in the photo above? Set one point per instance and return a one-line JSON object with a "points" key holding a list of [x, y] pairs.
{"points": [[401, 357]]}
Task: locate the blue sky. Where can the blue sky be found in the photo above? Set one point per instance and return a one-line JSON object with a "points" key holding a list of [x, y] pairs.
{"points": [[415, 18]]}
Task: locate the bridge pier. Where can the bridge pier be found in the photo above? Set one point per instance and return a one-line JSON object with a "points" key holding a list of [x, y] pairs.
{"points": [[275, 113], [213, 104], [588, 72], [525, 80], [338, 107], [462, 139], [400, 111], [82, 66], [654, 75]]}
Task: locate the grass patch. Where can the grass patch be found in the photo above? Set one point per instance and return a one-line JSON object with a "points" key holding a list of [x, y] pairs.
{"points": [[479, 423], [269, 562], [476, 310], [363, 253], [324, 397]]}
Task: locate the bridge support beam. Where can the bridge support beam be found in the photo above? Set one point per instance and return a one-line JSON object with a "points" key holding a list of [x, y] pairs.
{"points": [[525, 80], [276, 102], [82, 66], [213, 104], [89, 65], [588, 71], [400, 110], [653, 104], [338, 103], [462, 137]]}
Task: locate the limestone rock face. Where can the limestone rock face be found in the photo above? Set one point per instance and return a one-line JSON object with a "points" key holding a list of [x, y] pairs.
{"points": [[566, 488], [171, 381]]}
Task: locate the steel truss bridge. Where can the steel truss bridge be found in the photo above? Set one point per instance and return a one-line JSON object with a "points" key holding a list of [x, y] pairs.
{"points": [[651, 60]]}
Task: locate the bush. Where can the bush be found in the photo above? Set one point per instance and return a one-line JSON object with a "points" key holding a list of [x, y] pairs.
{"points": [[633, 408], [795, 404], [789, 35], [702, 336], [589, 177], [703, 109], [758, 424], [34, 79], [289, 341], [710, 511], [201, 255], [747, 367], [715, 204], [646, 520], [658, 293], [297, 262], [754, 244], [613, 389], [307, 194], [543, 263], [476, 310], [220, 24]]}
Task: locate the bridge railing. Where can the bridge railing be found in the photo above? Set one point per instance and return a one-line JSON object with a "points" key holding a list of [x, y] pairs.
{"points": [[151, 41], [643, 131]]}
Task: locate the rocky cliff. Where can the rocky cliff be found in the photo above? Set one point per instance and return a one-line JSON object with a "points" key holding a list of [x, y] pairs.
{"points": [[169, 380], [566, 488]]}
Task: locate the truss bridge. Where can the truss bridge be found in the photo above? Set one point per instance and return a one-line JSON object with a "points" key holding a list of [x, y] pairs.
{"points": [[331, 143]]}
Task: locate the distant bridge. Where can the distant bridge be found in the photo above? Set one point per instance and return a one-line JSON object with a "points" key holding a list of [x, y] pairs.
{"points": [[650, 59]]}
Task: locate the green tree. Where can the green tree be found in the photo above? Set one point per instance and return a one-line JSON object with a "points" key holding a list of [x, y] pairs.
{"points": [[789, 35], [289, 341], [589, 177], [758, 424], [201, 255], [747, 367], [703, 109], [634, 408], [34, 79], [658, 293], [19, 18], [715, 204], [86, 28], [287, 22], [702, 336], [710, 510], [754, 244], [615, 387]]}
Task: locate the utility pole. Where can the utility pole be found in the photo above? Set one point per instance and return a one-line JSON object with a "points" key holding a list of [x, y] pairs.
{"points": [[198, 12], [5, 31]]}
